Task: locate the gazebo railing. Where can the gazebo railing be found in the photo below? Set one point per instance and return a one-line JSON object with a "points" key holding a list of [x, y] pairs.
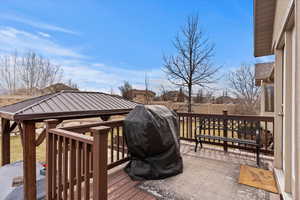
{"points": [[78, 158], [116, 140]]}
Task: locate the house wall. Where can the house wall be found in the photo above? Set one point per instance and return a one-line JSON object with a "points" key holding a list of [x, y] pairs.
{"points": [[286, 36], [280, 12]]}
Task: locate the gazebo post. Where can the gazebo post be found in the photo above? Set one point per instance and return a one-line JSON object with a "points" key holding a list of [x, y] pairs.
{"points": [[29, 156], [5, 141]]}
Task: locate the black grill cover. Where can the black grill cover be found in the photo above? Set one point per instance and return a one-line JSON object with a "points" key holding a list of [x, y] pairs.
{"points": [[151, 134]]}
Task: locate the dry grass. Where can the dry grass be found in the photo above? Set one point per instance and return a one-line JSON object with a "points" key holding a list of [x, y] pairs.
{"points": [[16, 146], [17, 151], [7, 100]]}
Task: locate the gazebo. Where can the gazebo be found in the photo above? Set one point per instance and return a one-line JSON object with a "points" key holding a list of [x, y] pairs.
{"points": [[63, 105]]}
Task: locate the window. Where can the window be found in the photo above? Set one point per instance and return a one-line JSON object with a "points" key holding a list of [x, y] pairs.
{"points": [[269, 98]]}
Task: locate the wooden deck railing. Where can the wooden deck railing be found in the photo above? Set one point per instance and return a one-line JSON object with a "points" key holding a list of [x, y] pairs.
{"points": [[78, 156], [226, 125]]}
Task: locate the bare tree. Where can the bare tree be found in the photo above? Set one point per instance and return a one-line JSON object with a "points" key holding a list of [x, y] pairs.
{"points": [[181, 96], [126, 90], [163, 93], [8, 69], [192, 65], [28, 71], [37, 72], [242, 84], [112, 90], [199, 97], [72, 84]]}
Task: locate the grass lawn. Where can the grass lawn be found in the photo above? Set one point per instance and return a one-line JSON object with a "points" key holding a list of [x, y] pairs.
{"points": [[17, 151]]}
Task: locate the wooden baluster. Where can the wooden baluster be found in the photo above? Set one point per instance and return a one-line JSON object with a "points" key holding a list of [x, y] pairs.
{"points": [[214, 127], [232, 129], [82, 160], [118, 143], [179, 125], [196, 126], [245, 130], [65, 167], [251, 130], [78, 170], [238, 130], [123, 143], [111, 145], [100, 164], [50, 176], [183, 127], [187, 126], [209, 127], [266, 135], [225, 113], [72, 167], [219, 129], [87, 172], [59, 167]]}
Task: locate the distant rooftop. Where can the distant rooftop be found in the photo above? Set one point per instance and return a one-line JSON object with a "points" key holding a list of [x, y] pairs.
{"points": [[135, 91], [263, 71], [57, 87], [67, 104]]}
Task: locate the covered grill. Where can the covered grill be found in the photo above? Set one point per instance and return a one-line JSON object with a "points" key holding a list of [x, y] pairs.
{"points": [[151, 133]]}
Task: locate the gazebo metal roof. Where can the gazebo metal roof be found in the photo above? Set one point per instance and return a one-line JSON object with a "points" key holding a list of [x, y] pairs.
{"points": [[67, 104]]}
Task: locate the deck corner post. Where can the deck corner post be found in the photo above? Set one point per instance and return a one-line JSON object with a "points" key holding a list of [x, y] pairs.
{"points": [[29, 156], [51, 123], [100, 135], [225, 131], [5, 141]]}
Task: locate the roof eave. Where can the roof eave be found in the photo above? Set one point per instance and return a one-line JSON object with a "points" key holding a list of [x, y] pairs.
{"points": [[67, 115], [264, 11]]}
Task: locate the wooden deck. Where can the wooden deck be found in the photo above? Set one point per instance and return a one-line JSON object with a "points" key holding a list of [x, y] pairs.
{"points": [[121, 187]]}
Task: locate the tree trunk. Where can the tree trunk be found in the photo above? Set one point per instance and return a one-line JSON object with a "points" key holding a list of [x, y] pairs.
{"points": [[190, 99], [190, 110]]}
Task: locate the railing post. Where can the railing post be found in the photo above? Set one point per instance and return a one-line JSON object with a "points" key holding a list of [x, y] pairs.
{"points": [[225, 130], [50, 124], [100, 135]]}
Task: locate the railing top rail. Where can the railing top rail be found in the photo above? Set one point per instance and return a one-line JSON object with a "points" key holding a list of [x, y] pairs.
{"points": [[72, 135], [221, 116], [111, 123]]}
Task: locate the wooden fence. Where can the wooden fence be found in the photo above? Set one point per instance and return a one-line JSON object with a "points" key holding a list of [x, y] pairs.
{"points": [[225, 125], [80, 155]]}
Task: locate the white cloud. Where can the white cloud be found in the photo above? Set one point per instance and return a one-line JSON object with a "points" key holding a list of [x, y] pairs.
{"points": [[106, 77], [46, 35], [98, 65], [15, 39], [95, 76], [37, 24]]}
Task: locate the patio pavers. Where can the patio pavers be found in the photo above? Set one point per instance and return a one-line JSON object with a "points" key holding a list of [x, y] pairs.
{"points": [[209, 174]]}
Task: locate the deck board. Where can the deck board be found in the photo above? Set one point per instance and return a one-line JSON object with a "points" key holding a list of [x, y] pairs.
{"points": [[121, 187]]}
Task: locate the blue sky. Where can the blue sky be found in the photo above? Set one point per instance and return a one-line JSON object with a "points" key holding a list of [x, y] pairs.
{"points": [[100, 44]]}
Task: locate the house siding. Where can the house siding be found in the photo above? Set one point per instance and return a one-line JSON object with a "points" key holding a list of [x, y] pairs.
{"points": [[286, 42]]}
